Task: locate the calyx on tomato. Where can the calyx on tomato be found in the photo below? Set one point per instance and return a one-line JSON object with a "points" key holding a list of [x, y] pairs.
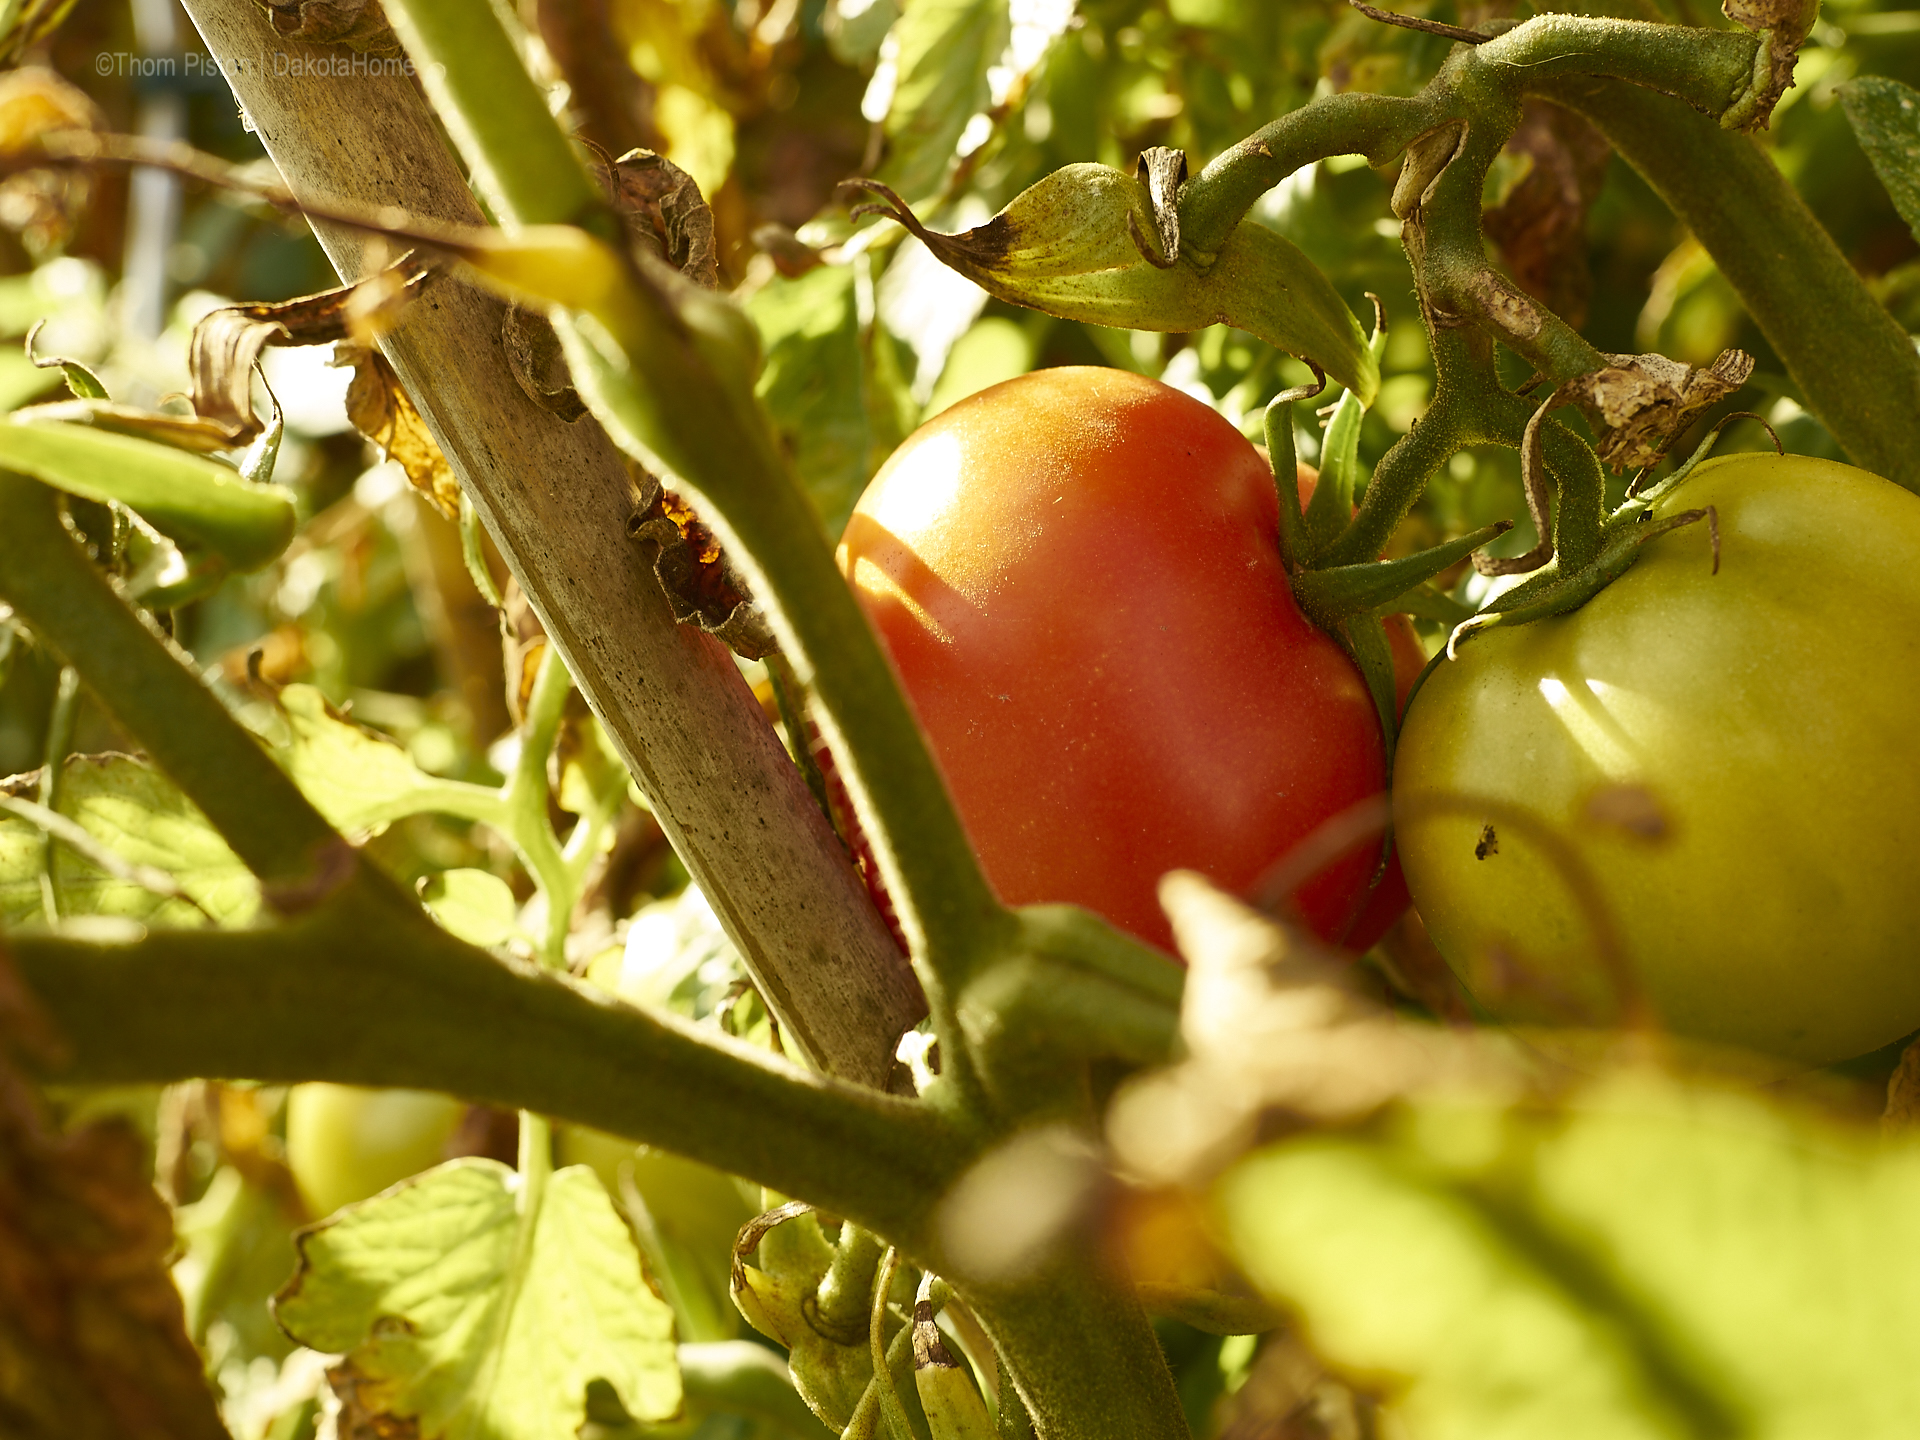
{"points": [[1692, 799], [1078, 579]]}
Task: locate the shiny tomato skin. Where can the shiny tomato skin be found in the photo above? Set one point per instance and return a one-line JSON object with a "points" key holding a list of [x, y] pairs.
{"points": [[1077, 578], [1729, 759]]}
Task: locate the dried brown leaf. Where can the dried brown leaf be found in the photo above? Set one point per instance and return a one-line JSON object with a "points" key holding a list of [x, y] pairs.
{"points": [[93, 1339], [1903, 1092], [227, 343], [1540, 225], [664, 212], [539, 366], [700, 584], [1639, 403], [380, 409]]}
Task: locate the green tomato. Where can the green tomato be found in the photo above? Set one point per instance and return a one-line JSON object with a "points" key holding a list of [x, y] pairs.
{"points": [[1697, 794], [345, 1144]]}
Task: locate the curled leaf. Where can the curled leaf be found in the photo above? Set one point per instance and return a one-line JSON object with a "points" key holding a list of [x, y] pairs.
{"points": [[380, 409], [664, 212], [227, 342], [1540, 223], [700, 584], [1075, 245], [1638, 403]]}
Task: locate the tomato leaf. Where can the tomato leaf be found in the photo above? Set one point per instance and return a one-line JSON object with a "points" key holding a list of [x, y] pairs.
{"points": [[448, 1319], [1075, 245], [1886, 116], [359, 780], [474, 905], [832, 387], [941, 52], [1657, 1259], [137, 813]]}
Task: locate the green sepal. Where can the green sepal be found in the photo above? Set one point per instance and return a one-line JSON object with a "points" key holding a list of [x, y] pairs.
{"points": [[1364, 638], [1080, 244], [1423, 602], [1385, 587], [1551, 593], [1285, 459], [1339, 486]]}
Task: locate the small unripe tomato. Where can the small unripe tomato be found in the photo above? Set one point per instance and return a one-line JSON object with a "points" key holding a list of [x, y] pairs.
{"points": [[1697, 792], [345, 1143]]}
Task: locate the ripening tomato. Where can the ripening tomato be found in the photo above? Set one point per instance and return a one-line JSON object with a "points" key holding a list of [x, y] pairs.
{"points": [[1725, 763], [1077, 576]]}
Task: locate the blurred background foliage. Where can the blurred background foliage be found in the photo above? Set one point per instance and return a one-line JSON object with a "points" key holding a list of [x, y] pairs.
{"points": [[768, 104]]}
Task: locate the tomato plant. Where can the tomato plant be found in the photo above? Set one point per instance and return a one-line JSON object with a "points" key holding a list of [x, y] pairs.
{"points": [[1077, 577], [1714, 768]]}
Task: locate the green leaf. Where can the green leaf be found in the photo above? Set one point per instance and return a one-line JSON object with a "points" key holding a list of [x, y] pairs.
{"points": [[448, 1319], [187, 497], [140, 815], [362, 781], [835, 411], [1885, 115], [474, 905], [942, 52], [1658, 1259]]}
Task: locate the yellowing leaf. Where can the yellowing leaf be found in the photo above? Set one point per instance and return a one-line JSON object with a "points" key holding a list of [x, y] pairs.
{"points": [[448, 1320]]}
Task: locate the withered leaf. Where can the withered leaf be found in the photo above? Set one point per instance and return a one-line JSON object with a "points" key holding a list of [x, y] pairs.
{"points": [[1639, 403], [700, 584], [226, 343], [665, 215], [1540, 225], [381, 410], [539, 366], [93, 1339], [358, 24], [664, 212], [42, 205]]}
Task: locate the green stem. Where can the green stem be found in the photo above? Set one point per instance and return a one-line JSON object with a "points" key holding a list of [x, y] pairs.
{"points": [[523, 165], [1707, 69], [1851, 359], [147, 684], [364, 989], [1376, 126], [531, 830], [1080, 1371], [53, 775]]}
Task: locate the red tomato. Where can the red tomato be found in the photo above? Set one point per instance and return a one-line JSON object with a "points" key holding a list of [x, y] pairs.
{"points": [[1077, 576]]}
